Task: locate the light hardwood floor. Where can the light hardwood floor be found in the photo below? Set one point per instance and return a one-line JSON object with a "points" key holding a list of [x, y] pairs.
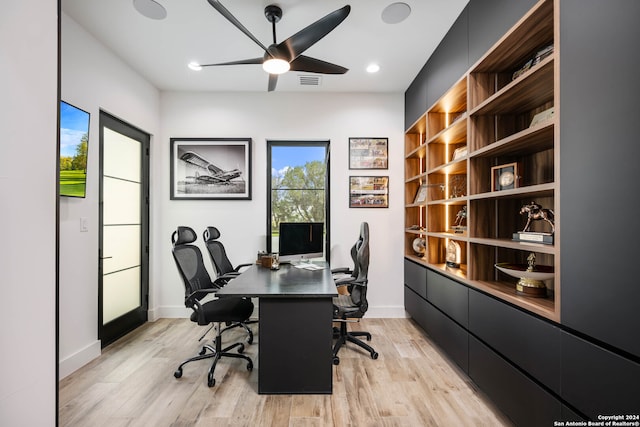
{"points": [[410, 384]]}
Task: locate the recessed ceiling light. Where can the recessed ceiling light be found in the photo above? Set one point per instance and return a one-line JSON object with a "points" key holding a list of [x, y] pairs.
{"points": [[396, 13], [373, 68], [150, 9], [194, 66]]}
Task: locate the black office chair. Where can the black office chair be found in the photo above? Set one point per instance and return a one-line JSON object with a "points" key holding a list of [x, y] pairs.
{"points": [[198, 285], [355, 304], [343, 275], [224, 269]]}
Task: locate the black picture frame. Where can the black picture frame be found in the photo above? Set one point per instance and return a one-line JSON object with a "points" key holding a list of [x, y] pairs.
{"points": [[210, 168], [368, 153], [368, 191]]}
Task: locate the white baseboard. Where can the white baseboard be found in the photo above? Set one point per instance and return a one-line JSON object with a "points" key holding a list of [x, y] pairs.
{"points": [[169, 312], [72, 363], [386, 313]]}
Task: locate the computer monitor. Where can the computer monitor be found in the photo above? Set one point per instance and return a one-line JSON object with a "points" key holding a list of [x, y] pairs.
{"points": [[301, 241]]}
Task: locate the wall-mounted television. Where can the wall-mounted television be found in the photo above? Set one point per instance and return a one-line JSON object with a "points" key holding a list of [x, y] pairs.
{"points": [[74, 147], [300, 241]]}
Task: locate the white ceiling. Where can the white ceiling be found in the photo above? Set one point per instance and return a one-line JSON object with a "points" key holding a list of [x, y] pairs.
{"points": [[193, 31]]}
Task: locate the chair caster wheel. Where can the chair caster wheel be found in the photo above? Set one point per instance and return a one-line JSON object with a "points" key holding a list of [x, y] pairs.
{"points": [[250, 366], [211, 381], [241, 348], [250, 340], [203, 351], [336, 360], [374, 355], [178, 373]]}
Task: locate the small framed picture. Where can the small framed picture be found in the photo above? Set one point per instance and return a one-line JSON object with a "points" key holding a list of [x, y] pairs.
{"points": [[368, 191], [421, 194], [504, 177], [368, 153]]}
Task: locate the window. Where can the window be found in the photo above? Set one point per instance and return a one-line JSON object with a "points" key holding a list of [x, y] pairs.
{"points": [[297, 186]]}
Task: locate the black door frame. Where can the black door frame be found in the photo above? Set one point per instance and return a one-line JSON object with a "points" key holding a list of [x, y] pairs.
{"points": [[117, 328]]}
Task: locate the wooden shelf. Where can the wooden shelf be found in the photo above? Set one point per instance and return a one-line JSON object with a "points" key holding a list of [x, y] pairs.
{"points": [[490, 112]]}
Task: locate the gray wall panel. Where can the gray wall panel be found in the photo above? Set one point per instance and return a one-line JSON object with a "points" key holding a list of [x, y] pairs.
{"points": [[486, 26], [450, 61], [599, 153]]}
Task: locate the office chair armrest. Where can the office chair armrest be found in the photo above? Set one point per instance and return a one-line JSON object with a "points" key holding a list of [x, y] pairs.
{"points": [[344, 270], [222, 280], [353, 282], [344, 281], [194, 297], [237, 269]]}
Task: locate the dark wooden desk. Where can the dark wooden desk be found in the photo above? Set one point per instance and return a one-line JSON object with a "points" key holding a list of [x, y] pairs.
{"points": [[295, 332]]}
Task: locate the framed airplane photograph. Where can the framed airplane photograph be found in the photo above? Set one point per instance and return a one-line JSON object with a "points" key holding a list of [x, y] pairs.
{"points": [[210, 168]]}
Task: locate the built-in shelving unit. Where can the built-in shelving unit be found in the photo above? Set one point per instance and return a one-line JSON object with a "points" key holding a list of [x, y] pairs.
{"points": [[497, 114]]}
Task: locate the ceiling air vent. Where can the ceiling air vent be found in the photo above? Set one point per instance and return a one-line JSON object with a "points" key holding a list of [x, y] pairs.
{"points": [[309, 80]]}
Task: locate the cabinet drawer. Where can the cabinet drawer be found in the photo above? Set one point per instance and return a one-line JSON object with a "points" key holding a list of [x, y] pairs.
{"points": [[452, 338], [449, 296], [522, 400], [530, 343], [416, 307], [596, 381], [415, 277]]}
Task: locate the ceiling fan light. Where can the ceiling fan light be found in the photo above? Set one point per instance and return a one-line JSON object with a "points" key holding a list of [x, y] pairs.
{"points": [[194, 66], [373, 68], [276, 66]]}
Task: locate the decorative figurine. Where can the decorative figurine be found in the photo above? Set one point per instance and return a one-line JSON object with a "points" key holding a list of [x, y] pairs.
{"points": [[461, 216], [536, 212]]}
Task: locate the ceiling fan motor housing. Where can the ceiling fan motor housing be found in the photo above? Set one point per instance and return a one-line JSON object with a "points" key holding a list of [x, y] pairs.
{"points": [[273, 13]]}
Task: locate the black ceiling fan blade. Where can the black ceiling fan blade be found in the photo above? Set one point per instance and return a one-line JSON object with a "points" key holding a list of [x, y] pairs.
{"points": [[305, 38], [313, 65], [273, 81], [240, 62], [225, 12]]}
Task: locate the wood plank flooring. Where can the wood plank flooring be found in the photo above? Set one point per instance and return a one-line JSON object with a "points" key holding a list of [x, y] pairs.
{"points": [[410, 384]]}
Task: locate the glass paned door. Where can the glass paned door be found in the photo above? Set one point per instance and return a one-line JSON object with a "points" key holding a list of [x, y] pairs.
{"points": [[124, 213]]}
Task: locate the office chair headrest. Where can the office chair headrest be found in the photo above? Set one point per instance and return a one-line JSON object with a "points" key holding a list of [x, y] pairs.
{"points": [[211, 233], [183, 235]]}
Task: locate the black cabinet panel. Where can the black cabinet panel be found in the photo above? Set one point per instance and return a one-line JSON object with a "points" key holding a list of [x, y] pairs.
{"points": [[447, 334], [415, 99], [416, 307], [449, 296], [569, 415], [449, 62], [528, 342], [600, 291], [415, 277], [522, 400], [489, 20], [596, 381]]}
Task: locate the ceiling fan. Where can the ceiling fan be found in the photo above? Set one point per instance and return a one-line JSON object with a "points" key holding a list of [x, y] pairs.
{"points": [[287, 55]]}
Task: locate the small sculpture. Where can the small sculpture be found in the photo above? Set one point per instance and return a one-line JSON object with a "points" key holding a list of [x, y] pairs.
{"points": [[461, 216], [531, 261], [536, 212]]}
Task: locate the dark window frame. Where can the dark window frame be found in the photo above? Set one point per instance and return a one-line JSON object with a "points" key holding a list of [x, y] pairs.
{"points": [[293, 143]]}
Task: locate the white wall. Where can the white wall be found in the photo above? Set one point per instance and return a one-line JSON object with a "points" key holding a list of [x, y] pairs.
{"points": [[28, 82], [92, 79], [284, 116]]}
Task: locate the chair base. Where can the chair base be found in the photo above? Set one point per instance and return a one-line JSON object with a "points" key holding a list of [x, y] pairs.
{"points": [[343, 336], [216, 354]]}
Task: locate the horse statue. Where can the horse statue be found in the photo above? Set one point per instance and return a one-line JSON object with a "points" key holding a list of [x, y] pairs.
{"points": [[461, 216], [536, 212]]}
